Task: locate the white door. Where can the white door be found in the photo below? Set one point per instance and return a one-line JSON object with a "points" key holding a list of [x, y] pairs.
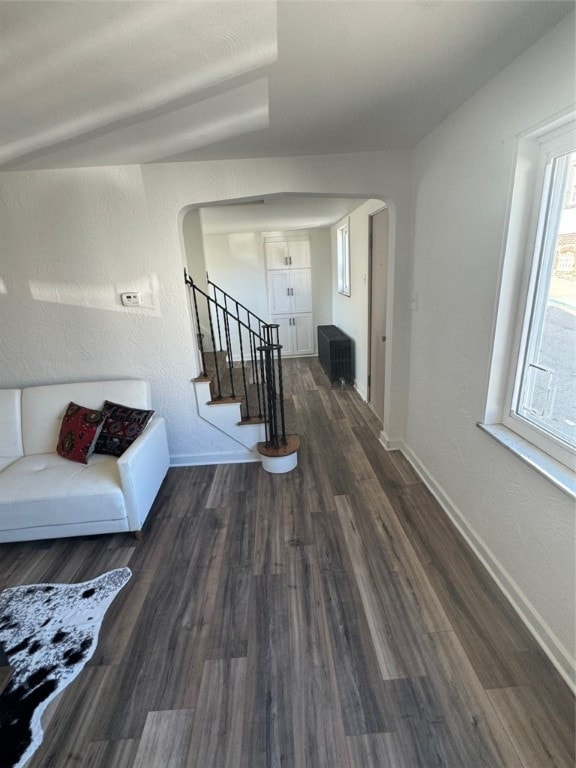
{"points": [[378, 290], [301, 290], [302, 339], [279, 292], [299, 254], [276, 255]]}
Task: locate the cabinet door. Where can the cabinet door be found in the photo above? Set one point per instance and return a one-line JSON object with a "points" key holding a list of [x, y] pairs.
{"points": [[276, 255], [302, 338], [279, 292], [301, 290], [285, 333], [299, 254]]}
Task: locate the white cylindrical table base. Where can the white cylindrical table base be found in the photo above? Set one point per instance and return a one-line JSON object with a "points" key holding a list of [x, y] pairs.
{"points": [[279, 464]]}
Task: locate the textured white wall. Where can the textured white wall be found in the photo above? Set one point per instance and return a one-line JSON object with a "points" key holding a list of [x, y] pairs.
{"points": [[463, 171], [194, 247], [235, 262], [321, 277], [72, 240]]}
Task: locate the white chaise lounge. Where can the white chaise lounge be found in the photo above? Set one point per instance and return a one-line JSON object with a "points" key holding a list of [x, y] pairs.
{"points": [[43, 495]]}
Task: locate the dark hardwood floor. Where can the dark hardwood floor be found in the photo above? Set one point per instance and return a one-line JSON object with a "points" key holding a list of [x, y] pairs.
{"points": [[327, 618]]}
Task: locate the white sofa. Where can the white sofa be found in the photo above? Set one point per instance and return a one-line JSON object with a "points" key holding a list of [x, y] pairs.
{"points": [[43, 495]]}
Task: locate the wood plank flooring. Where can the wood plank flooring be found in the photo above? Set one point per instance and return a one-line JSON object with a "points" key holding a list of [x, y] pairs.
{"points": [[327, 618]]}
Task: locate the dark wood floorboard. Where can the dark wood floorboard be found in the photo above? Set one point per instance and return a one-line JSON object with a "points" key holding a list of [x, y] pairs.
{"points": [[328, 618], [268, 734]]}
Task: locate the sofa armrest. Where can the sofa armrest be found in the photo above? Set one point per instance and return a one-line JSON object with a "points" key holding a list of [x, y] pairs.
{"points": [[142, 469]]}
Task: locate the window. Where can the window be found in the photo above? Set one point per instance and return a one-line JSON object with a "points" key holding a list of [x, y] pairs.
{"points": [[532, 388], [343, 250], [544, 389]]}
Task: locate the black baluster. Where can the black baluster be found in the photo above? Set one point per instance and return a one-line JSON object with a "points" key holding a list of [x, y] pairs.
{"points": [[229, 351], [281, 395], [263, 379], [199, 334], [242, 362], [217, 319], [216, 366]]}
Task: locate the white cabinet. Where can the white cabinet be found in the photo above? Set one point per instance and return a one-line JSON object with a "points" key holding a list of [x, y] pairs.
{"points": [[289, 290], [289, 278], [299, 254], [276, 254], [301, 290], [295, 334], [282, 254]]}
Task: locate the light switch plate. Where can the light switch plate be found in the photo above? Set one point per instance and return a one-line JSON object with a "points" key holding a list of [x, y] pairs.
{"points": [[131, 299]]}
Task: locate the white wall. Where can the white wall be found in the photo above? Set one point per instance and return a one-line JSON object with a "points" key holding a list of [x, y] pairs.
{"points": [[72, 240], [521, 524], [235, 262], [194, 247], [321, 278]]}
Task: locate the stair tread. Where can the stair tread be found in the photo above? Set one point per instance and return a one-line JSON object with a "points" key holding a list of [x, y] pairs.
{"points": [[292, 445], [232, 380]]}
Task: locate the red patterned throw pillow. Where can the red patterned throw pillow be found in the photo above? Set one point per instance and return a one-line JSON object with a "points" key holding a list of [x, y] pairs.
{"points": [[122, 425], [79, 432]]}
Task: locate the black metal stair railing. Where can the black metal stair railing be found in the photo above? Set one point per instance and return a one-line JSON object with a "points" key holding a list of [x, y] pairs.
{"points": [[237, 335]]}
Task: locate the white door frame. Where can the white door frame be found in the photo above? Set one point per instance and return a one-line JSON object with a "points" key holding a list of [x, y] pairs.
{"points": [[370, 314]]}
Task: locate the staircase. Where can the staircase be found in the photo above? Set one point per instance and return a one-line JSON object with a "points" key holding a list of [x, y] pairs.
{"points": [[240, 390]]}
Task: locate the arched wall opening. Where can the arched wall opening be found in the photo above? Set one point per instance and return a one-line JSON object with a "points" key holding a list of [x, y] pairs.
{"points": [[238, 226]]}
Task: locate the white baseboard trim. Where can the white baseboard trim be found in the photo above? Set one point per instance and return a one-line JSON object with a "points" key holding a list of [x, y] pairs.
{"points": [[201, 459], [361, 390], [542, 633], [390, 445]]}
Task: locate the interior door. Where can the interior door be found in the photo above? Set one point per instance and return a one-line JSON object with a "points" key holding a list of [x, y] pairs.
{"points": [[379, 227]]}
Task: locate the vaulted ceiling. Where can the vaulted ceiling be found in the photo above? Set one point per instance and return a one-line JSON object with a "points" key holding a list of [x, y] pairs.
{"points": [[99, 83]]}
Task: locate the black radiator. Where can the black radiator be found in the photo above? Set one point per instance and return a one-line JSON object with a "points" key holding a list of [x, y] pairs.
{"points": [[335, 353]]}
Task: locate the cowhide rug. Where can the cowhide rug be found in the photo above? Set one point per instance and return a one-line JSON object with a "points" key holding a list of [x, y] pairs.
{"points": [[49, 632]]}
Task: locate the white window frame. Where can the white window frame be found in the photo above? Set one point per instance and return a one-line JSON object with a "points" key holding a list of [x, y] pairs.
{"points": [[343, 251], [518, 283]]}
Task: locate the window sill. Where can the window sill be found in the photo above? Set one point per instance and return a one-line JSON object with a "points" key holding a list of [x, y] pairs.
{"points": [[559, 475]]}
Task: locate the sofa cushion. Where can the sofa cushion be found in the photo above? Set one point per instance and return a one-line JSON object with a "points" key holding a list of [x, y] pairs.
{"points": [[79, 432], [5, 461], [122, 425], [11, 423], [46, 487], [43, 407]]}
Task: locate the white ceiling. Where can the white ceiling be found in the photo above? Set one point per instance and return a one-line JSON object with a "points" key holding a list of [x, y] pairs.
{"points": [[277, 213], [98, 83]]}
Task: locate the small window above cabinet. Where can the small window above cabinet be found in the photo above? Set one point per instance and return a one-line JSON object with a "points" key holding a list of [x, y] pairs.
{"points": [[287, 254]]}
